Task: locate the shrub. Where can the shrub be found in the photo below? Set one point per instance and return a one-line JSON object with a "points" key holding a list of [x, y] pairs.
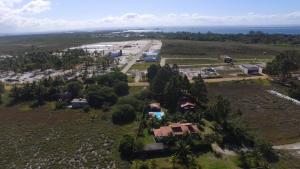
{"points": [[123, 114], [60, 105], [86, 109]]}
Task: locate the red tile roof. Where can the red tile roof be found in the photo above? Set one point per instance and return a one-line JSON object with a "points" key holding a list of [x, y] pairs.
{"points": [[176, 129]]}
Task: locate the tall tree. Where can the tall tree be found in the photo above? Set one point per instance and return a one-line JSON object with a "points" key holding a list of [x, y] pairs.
{"points": [[283, 64], [183, 150], [152, 71], [157, 85], [220, 111], [198, 91], [172, 93]]}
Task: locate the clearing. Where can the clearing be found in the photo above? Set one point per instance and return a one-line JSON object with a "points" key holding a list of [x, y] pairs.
{"points": [[271, 117]]}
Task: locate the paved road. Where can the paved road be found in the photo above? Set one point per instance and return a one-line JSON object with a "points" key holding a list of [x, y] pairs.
{"points": [[136, 57]]}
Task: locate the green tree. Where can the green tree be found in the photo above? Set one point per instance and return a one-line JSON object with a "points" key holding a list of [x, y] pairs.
{"points": [[127, 147], [74, 87], [152, 71], [283, 64], [123, 114], [220, 111], [198, 91], [172, 94], [97, 96], [157, 85], [134, 102], [182, 152], [121, 88]]}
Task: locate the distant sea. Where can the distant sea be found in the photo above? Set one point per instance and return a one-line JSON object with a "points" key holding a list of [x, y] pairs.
{"points": [[293, 30]]}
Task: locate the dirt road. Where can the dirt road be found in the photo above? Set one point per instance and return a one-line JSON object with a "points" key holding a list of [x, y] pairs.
{"points": [[212, 80], [295, 146]]}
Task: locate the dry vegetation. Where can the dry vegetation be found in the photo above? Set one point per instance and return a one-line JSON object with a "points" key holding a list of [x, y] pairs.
{"points": [[273, 118], [44, 138], [191, 49]]}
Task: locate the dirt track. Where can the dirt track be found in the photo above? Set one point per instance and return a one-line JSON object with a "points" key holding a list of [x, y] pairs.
{"points": [[138, 84]]}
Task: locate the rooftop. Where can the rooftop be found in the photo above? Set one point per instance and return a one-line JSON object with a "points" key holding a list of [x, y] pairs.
{"points": [[249, 66], [176, 129]]}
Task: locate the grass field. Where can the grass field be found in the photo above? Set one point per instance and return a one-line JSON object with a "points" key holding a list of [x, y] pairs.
{"points": [[268, 116], [192, 61], [200, 49], [44, 138], [142, 66]]}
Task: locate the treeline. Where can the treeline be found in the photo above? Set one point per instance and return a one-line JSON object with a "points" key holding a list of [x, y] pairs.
{"points": [[253, 37], [101, 91], [44, 60], [282, 67]]}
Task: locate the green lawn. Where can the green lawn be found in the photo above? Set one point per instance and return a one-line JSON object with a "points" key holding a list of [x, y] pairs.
{"points": [[205, 161], [209, 161], [148, 138]]}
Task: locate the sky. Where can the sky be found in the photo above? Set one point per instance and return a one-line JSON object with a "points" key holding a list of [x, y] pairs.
{"points": [[67, 15]]}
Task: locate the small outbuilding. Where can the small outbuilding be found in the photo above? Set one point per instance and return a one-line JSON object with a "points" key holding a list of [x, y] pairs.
{"points": [[116, 54], [226, 59], [151, 59], [79, 103], [251, 69], [154, 107]]}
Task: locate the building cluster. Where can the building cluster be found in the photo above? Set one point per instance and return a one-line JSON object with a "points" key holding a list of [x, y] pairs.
{"points": [[173, 129], [151, 56]]}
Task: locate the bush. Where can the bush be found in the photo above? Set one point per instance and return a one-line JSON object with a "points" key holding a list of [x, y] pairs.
{"points": [[86, 109], [60, 105], [123, 114]]}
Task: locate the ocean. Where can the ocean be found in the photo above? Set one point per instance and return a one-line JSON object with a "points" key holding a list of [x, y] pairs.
{"points": [[292, 30]]}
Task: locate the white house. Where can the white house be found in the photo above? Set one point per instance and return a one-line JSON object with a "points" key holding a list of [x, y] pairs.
{"points": [[79, 103]]}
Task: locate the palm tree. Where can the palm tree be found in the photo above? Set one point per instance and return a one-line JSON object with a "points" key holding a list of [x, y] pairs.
{"points": [[183, 150], [173, 160]]}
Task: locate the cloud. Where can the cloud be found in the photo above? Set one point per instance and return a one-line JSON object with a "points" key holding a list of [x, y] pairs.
{"points": [[18, 16], [36, 6]]}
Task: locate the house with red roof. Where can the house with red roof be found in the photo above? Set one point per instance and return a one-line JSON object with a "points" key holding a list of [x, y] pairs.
{"points": [[175, 129]]}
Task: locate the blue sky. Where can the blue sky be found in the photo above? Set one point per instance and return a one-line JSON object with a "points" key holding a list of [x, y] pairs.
{"points": [[52, 15]]}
